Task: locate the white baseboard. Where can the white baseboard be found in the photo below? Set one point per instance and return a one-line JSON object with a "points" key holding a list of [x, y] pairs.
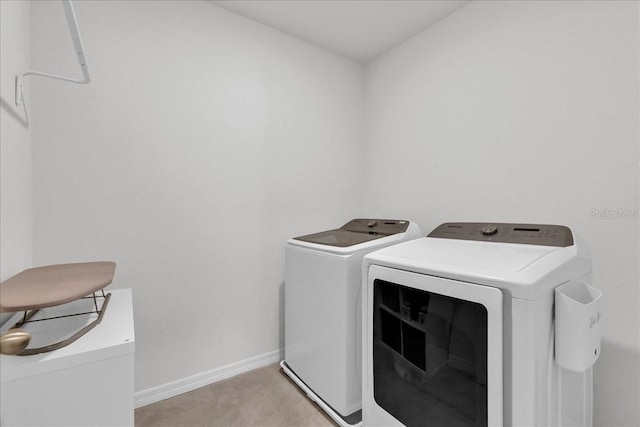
{"points": [[174, 388]]}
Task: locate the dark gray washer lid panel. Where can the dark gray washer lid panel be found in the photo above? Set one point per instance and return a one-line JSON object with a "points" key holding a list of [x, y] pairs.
{"points": [[357, 231]]}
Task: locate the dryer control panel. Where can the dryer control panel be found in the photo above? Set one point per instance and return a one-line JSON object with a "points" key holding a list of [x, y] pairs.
{"points": [[526, 234]]}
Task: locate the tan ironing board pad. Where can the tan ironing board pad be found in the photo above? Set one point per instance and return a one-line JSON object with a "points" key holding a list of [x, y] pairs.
{"points": [[52, 285]]}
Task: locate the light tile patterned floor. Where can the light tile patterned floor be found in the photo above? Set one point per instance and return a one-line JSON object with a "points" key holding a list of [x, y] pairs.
{"points": [[265, 397]]}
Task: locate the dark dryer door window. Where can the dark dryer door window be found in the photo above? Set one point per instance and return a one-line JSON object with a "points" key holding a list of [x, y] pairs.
{"points": [[430, 353]]}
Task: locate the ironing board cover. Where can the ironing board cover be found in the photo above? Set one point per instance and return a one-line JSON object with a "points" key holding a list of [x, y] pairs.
{"points": [[53, 285]]}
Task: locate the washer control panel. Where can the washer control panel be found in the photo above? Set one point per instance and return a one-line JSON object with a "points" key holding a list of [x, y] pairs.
{"points": [[357, 231], [526, 234], [376, 226]]}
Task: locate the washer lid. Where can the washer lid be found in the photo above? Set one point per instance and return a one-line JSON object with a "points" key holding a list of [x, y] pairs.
{"points": [[357, 231]]}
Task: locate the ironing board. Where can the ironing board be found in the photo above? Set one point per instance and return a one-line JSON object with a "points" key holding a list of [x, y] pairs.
{"points": [[53, 285]]}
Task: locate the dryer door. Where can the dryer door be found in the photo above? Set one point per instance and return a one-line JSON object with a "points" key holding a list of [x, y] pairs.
{"points": [[433, 349]]}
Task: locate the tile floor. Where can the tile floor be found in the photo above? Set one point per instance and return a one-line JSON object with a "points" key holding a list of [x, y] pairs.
{"points": [[265, 397]]}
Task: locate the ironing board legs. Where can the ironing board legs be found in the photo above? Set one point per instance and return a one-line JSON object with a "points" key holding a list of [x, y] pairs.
{"points": [[65, 342]]}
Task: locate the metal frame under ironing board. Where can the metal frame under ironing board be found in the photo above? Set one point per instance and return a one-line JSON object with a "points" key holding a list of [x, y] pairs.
{"points": [[55, 285], [28, 314]]}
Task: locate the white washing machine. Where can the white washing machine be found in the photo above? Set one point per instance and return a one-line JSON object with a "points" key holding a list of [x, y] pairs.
{"points": [[460, 329], [323, 310]]}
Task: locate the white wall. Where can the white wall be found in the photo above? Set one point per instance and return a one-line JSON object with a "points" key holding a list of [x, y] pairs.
{"points": [[16, 182], [523, 112], [203, 142]]}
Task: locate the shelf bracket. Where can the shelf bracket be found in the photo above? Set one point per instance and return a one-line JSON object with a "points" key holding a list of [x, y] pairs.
{"points": [[72, 23]]}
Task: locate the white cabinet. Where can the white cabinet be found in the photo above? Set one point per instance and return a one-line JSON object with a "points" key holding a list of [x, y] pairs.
{"points": [[88, 383]]}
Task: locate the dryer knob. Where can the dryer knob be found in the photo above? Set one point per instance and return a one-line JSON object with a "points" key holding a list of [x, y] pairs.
{"points": [[489, 230], [372, 223]]}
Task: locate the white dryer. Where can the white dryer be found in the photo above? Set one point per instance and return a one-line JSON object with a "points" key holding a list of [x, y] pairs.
{"points": [[323, 310], [459, 329]]}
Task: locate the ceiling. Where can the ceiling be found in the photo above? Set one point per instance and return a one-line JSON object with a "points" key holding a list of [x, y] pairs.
{"points": [[360, 30]]}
